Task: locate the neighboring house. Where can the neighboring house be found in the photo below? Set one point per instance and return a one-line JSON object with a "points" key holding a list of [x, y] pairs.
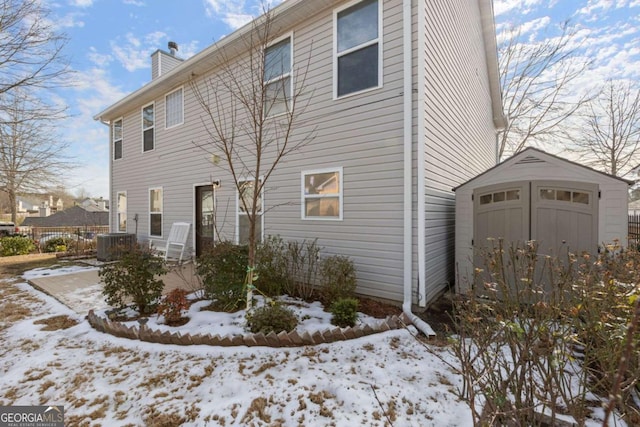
{"points": [[416, 116], [634, 207], [75, 216], [89, 202], [36, 204]]}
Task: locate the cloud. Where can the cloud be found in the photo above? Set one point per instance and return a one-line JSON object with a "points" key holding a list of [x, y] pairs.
{"points": [[99, 59], [81, 3], [134, 3], [133, 52], [236, 13], [522, 7]]}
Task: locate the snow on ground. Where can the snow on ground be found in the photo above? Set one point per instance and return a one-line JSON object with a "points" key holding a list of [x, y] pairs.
{"points": [[384, 379]]}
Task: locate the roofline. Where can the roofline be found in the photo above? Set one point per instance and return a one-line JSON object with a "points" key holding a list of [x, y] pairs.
{"points": [[191, 63], [491, 55], [628, 182], [183, 71]]}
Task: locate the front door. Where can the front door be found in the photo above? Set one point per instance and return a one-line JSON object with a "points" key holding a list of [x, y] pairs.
{"points": [[205, 218]]}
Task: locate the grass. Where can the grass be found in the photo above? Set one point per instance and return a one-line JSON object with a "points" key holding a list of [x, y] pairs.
{"points": [[56, 323]]}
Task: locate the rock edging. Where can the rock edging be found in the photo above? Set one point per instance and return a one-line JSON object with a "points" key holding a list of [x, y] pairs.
{"points": [[282, 339]]}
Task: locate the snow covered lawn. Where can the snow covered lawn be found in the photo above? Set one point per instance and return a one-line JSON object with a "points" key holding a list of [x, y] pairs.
{"points": [[384, 379]]}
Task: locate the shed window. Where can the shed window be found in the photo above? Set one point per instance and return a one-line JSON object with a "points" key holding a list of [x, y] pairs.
{"points": [[485, 199], [513, 195], [579, 197]]}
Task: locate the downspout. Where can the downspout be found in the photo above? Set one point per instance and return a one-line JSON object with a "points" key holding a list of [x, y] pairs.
{"points": [[421, 325]]}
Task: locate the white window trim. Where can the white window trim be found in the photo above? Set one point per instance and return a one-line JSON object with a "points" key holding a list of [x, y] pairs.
{"points": [[118, 211], [155, 213], [369, 43], [288, 35], [166, 110], [153, 128], [113, 138], [238, 213], [303, 215]]}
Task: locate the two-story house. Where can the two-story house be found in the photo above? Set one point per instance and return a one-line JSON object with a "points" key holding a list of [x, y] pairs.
{"points": [[405, 106]]}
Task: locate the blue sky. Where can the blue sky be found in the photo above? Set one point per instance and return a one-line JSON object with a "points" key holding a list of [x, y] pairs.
{"points": [[111, 42]]}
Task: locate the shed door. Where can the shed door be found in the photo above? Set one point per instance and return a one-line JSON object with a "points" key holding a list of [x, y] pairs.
{"points": [[501, 211], [564, 217], [560, 215]]}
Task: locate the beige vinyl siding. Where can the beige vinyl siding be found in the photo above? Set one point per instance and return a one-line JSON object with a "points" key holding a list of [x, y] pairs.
{"points": [[361, 133], [459, 134]]}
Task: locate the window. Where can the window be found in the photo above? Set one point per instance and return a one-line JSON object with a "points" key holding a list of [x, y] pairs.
{"points": [[117, 139], [155, 212], [357, 48], [244, 206], [122, 211], [148, 121], [277, 77], [564, 196], [174, 108], [500, 196], [322, 194]]}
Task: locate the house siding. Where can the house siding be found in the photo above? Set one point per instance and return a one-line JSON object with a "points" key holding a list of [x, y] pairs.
{"points": [[362, 134], [458, 129]]}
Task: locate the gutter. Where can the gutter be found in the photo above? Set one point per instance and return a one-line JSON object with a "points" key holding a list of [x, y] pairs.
{"points": [[421, 325]]}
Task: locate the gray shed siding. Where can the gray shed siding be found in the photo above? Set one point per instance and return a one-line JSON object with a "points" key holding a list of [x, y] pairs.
{"points": [[458, 130], [362, 134]]}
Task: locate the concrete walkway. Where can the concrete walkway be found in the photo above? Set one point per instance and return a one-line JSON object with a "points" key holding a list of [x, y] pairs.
{"points": [[81, 291]]}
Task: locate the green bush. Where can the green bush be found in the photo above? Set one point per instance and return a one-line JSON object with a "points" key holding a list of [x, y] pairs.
{"points": [[57, 244], [271, 266], [133, 278], [15, 245], [345, 312], [222, 270], [338, 278], [271, 318]]}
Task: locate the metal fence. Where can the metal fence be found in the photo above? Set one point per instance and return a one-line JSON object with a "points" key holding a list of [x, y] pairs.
{"points": [[634, 229], [79, 238]]}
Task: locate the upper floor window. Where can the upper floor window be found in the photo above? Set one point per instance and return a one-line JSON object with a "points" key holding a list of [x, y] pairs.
{"points": [[277, 77], [117, 139], [148, 126], [357, 47], [174, 109]]}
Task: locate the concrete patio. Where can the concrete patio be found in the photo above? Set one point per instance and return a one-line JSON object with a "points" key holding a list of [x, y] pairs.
{"points": [[81, 290]]}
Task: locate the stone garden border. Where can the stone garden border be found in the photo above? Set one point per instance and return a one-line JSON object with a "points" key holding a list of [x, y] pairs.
{"points": [[282, 339]]}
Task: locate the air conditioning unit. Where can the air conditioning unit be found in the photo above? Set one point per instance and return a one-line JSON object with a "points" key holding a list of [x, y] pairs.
{"points": [[111, 245]]}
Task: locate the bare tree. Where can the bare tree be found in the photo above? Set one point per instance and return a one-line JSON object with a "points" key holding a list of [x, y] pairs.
{"points": [[252, 107], [31, 153], [537, 81], [30, 48], [612, 138]]}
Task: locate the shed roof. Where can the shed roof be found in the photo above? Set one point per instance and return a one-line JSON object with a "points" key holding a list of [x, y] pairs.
{"points": [[531, 155]]}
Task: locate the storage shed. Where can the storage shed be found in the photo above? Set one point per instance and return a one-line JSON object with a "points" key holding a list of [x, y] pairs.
{"points": [[535, 195]]}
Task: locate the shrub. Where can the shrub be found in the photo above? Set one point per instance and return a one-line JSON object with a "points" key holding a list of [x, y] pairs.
{"points": [[544, 323], [344, 311], [133, 277], [222, 270], [271, 265], [57, 244], [338, 278], [172, 305], [302, 267], [271, 318], [15, 245]]}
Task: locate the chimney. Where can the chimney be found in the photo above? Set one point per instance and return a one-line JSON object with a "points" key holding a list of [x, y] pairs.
{"points": [[102, 204], [45, 210], [173, 48]]}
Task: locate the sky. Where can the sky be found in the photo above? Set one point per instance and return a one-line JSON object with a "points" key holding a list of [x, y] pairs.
{"points": [[388, 378], [110, 43]]}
